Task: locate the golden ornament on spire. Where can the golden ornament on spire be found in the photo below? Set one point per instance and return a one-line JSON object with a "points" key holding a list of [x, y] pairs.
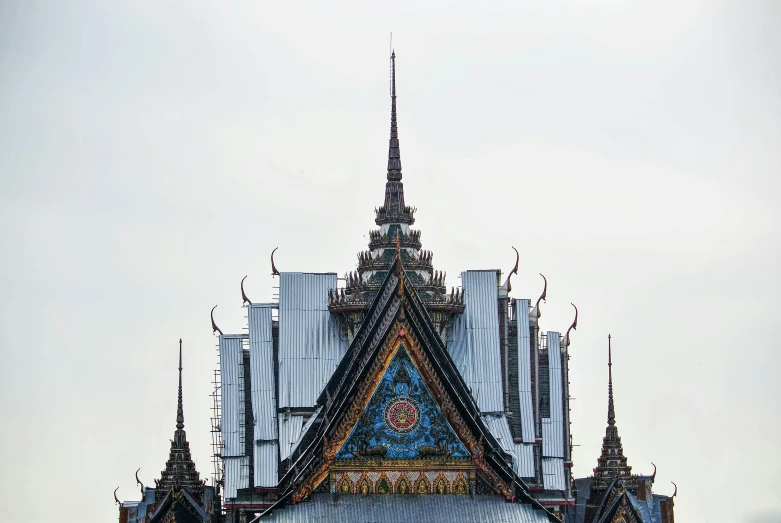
{"points": [[399, 267]]}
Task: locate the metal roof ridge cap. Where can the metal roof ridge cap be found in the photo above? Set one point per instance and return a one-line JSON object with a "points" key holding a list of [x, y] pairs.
{"points": [[271, 305], [312, 273]]}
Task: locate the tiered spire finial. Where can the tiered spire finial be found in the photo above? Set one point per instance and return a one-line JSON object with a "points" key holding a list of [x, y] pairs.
{"points": [[394, 219], [394, 154], [612, 463], [394, 210], [180, 471]]}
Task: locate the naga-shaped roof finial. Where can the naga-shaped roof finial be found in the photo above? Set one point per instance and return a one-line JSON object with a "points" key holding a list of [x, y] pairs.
{"points": [[244, 294], [676, 489], [115, 496], [138, 481], [514, 270], [536, 313], [574, 326], [215, 328], [274, 271], [653, 476]]}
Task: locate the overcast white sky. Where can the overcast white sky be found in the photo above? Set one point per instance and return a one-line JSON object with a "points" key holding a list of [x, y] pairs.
{"points": [[153, 153]]}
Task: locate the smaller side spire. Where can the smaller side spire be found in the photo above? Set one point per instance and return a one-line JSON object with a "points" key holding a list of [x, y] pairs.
{"points": [[612, 463], [180, 471]]}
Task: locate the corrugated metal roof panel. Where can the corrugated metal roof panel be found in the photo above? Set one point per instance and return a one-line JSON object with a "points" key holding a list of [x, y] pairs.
{"points": [[236, 475], [392, 509], [264, 406], [473, 341], [553, 474], [553, 427], [554, 368], [289, 433], [266, 463], [310, 339], [501, 431], [525, 371], [523, 455], [230, 365], [305, 429], [261, 349]]}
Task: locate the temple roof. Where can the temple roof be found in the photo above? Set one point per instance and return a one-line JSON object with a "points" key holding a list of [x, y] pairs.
{"points": [[181, 507], [616, 502], [179, 472], [397, 311], [393, 509]]}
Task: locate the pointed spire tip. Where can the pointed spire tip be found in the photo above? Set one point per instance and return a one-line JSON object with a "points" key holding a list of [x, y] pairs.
{"points": [[180, 407]]}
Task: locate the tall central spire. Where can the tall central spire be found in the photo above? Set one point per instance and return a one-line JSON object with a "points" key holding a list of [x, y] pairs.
{"points": [[394, 154], [394, 210], [393, 238]]}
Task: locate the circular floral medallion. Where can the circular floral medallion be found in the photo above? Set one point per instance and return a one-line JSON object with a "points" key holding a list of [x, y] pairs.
{"points": [[402, 414]]}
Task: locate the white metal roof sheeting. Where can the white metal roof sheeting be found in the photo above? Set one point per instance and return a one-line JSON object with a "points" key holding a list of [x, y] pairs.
{"points": [[553, 474], [236, 475], [264, 405], [553, 427], [523, 455], [474, 340], [392, 509], [289, 433], [230, 367], [305, 428], [525, 463], [500, 429], [266, 463], [525, 371], [292, 428], [261, 357], [310, 339]]}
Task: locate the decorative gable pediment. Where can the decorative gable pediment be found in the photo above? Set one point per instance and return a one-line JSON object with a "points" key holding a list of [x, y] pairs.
{"points": [[402, 443], [402, 421]]}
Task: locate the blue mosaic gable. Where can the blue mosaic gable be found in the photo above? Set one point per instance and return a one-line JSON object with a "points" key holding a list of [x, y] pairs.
{"points": [[402, 420]]}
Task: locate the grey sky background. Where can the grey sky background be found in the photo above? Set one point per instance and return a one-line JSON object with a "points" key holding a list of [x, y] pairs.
{"points": [[152, 154]]}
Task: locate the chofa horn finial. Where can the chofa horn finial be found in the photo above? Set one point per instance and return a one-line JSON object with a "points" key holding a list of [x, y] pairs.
{"points": [[676, 489], [572, 327], [542, 297], [138, 481], [244, 294], [514, 270], [653, 476], [274, 271], [116, 499], [215, 328]]}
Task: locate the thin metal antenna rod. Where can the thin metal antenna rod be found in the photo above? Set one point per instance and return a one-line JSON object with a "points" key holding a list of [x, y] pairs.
{"points": [[390, 50]]}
